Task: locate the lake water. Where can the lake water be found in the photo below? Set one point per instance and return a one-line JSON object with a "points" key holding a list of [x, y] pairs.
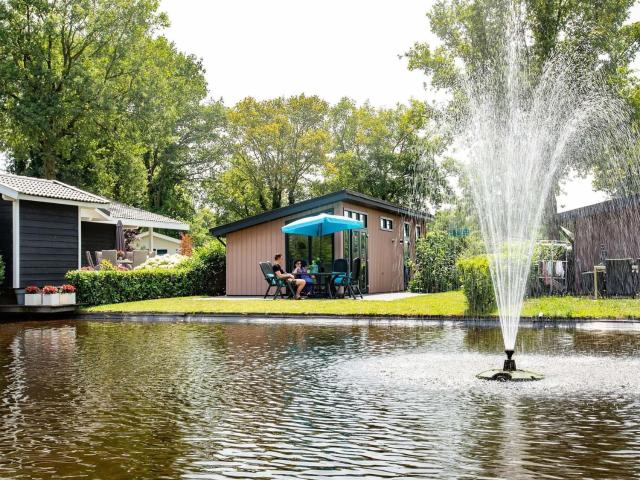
{"points": [[314, 400]]}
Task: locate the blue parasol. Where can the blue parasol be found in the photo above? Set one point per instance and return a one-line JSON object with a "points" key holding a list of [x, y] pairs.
{"points": [[322, 224]]}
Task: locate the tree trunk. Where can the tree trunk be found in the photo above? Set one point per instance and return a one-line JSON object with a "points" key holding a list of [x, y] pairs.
{"points": [[276, 198]]}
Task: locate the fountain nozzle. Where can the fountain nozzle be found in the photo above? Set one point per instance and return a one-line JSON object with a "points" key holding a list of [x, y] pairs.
{"points": [[509, 363]]}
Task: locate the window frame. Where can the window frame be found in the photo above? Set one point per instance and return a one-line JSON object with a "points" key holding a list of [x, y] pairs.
{"points": [[348, 210], [387, 221]]}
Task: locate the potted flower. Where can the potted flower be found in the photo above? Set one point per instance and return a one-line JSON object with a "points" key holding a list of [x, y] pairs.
{"points": [[32, 296], [67, 295], [50, 296]]}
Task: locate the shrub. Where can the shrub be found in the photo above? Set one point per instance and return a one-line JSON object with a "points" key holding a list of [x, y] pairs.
{"points": [[436, 255], [477, 285], [203, 274], [208, 268], [162, 261]]}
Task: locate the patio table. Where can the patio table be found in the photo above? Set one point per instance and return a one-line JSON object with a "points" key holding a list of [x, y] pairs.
{"points": [[322, 280]]}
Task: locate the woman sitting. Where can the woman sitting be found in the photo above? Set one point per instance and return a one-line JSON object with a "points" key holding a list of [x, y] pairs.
{"points": [[300, 270]]}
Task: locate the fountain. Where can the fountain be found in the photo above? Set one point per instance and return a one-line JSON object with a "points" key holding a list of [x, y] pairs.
{"points": [[520, 131]]}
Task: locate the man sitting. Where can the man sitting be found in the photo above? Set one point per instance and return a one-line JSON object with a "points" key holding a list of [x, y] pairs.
{"points": [[280, 273]]}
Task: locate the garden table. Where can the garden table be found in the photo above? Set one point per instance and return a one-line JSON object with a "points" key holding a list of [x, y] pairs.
{"points": [[321, 280]]}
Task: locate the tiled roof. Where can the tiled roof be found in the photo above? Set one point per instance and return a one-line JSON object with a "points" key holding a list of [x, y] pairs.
{"points": [[120, 211], [39, 187]]}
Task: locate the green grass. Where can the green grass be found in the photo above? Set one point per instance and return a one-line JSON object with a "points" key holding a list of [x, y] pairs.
{"points": [[436, 304]]}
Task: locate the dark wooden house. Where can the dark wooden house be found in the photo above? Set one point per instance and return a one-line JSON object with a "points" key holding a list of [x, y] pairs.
{"points": [[46, 227], [604, 230]]}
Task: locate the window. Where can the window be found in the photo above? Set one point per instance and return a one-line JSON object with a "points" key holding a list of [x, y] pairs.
{"points": [[362, 217], [386, 224], [418, 231], [406, 231]]}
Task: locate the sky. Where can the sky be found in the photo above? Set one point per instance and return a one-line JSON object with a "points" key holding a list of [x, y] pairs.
{"points": [[333, 48]]}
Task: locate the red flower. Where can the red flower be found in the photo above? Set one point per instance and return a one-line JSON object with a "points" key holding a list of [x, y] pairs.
{"points": [[31, 289], [68, 289], [49, 289]]}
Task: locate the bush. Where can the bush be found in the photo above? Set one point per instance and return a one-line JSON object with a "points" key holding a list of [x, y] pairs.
{"points": [[477, 285], [203, 274], [208, 269], [1, 270], [436, 256]]}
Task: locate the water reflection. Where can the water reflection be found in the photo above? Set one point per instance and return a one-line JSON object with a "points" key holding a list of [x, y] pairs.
{"points": [[124, 400]]}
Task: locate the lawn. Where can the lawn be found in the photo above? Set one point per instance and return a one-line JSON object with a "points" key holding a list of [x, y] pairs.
{"points": [[448, 304]]}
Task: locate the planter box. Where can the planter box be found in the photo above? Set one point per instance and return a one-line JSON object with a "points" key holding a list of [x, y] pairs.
{"points": [[32, 299], [51, 300], [67, 298]]}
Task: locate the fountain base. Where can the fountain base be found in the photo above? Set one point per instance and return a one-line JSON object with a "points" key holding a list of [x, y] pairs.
{"points": [[509, 372], [509, 375]]}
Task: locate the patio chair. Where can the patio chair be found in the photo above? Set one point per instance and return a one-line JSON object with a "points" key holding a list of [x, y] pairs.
{"points": [[139, 257], [350, 281], [620, 277], [340, 268], [273, 281], [111, 256], [90, 259], [98, 257]]}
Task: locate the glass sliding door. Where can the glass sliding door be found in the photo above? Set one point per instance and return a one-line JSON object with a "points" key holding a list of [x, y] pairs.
{"points": [[356, 245]]}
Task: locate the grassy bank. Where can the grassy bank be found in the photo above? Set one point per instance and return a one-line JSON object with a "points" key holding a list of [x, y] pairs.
{"points": [[437, 304]]}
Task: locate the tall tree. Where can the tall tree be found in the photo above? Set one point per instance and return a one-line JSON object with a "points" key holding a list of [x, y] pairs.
{"points": [[471, 33], [388, 153], [276, 146]]}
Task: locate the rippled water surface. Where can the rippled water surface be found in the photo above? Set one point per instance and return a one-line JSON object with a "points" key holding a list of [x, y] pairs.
{"points": [[314, 400]]}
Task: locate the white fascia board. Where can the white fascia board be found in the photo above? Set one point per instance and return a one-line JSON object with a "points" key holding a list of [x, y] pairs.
{"points": [[60, 201], [8, 193], [129, 223], [160, 236]]}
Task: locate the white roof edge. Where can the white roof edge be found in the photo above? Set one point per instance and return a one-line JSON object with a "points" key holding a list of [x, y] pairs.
{"points": [[128, 222], [159, 235]]}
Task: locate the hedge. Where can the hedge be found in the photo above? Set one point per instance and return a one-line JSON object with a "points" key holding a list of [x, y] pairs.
{"points": [[204, 274], [436, 255], [476, 284]]}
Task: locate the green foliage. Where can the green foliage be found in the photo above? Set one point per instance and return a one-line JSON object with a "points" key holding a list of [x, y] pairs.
{"points": [[2, 270], [204, 274], [388, 153], [477, 285], [436, 256]]}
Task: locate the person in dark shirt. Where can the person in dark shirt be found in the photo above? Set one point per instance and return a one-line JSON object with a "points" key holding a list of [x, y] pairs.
{"points": [[282, 274]]}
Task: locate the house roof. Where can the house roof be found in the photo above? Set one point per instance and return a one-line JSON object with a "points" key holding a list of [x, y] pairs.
{"points": [[608, 206], [30, 188], [141, 218], [159, 236], [342, 195]]}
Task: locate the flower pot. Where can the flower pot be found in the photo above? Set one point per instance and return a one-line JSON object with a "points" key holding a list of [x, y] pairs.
{"points": [[32, 299], [67, 298], [51, 299]]}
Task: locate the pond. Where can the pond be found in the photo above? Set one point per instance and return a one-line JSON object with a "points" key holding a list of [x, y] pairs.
{"points": [[314, 399]]}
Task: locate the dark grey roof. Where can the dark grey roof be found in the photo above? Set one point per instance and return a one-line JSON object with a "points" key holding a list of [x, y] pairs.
{"points": [[612, 205], [343, 195], [39, 187], [120, 211]]}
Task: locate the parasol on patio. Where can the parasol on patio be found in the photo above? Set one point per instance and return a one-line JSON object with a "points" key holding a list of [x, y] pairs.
{"points": [[120, 237], [322, 224]]}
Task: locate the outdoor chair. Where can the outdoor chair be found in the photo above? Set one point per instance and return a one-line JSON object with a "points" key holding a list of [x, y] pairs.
{"points": [[274, 282], [340, 267], [139, 257], [90, 260], [110, 256], [349, 281], [98, 257], [620, 277]]}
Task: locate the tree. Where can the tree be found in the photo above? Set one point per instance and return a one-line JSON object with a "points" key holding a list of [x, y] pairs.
{"points": [[388, 153], [90, 94], [275, 148], [472, 33]]}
